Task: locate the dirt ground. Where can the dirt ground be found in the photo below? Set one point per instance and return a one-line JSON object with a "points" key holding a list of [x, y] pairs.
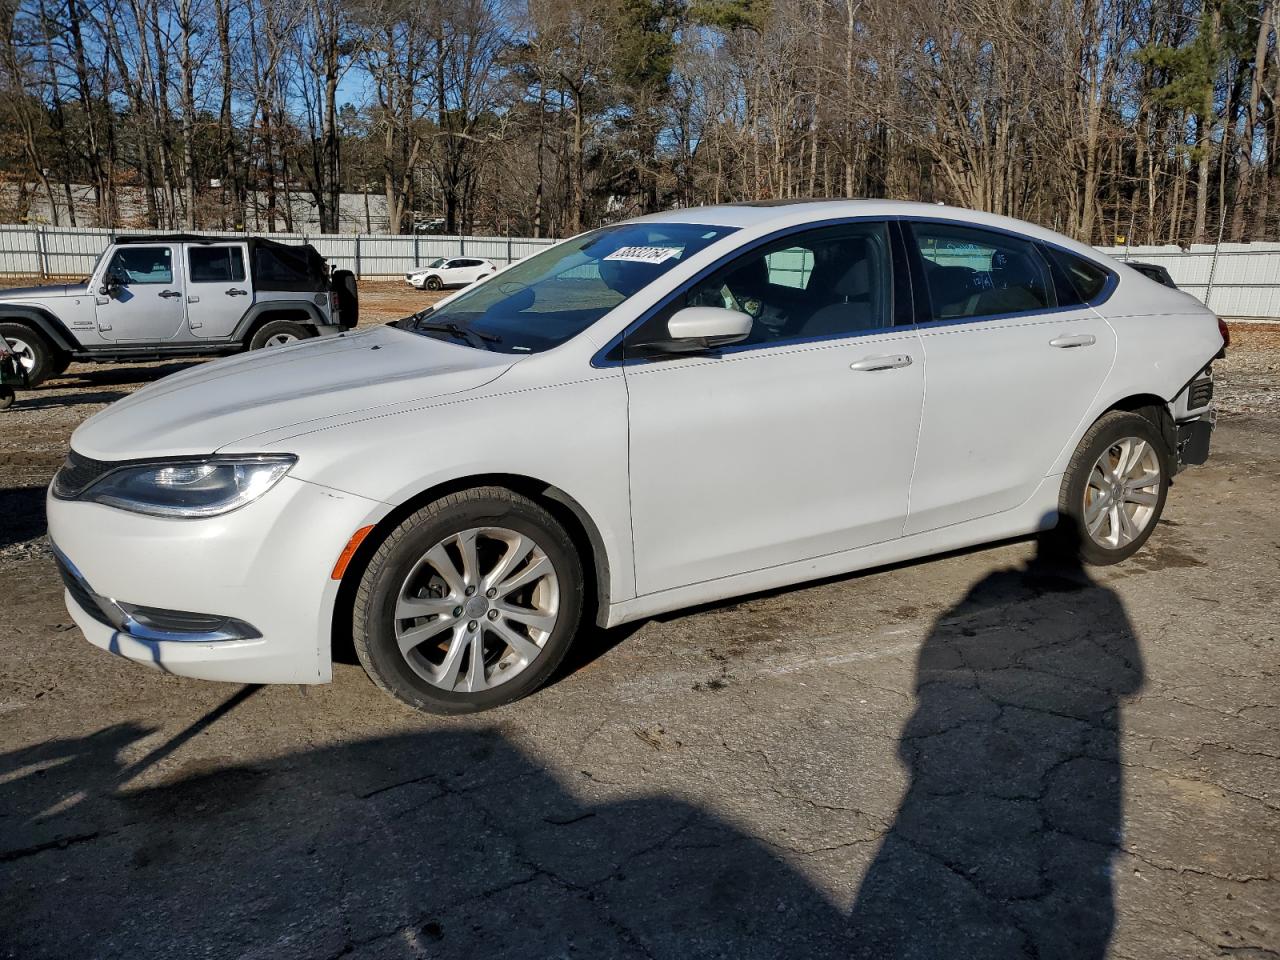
{"points": [[979, 755]]}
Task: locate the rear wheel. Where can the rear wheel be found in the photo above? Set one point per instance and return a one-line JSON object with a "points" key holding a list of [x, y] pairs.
{"points": [[36, 354], [278, 333], [470, 603], [1114, 489]]}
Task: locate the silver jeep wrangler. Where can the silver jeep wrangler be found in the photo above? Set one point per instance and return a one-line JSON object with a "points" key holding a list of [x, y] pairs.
{"points": [[178, 295]]}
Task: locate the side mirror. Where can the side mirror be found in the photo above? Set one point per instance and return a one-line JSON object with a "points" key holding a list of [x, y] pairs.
{"points": [[700, 328], [111, 285]]}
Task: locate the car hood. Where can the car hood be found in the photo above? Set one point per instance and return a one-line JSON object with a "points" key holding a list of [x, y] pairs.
{"points": [[44, 292], [278, 389]]}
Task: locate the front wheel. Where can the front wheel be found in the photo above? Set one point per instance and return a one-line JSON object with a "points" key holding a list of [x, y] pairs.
{"points": [[470, 603], [433, 283], [1114, 489], [36, 354]]}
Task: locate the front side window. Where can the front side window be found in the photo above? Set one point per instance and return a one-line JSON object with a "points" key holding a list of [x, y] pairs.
{"points": [[215, 264], [141, 265], [553, 296], [830, 282], [972, 273]]}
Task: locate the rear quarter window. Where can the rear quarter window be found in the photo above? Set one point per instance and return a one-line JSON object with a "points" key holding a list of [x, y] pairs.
{"points": [[1085, 278]]}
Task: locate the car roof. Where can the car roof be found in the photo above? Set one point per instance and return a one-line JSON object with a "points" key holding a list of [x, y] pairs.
{"points": [[787, 213]]}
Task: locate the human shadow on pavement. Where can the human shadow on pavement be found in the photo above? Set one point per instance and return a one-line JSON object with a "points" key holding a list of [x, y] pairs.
{"points": [[1003, 844], [455, 842]]}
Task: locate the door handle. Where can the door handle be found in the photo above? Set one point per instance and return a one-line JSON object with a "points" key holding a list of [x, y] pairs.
{"points": [[881, 363], [167, 294], [1078, 340], [234, 292]]}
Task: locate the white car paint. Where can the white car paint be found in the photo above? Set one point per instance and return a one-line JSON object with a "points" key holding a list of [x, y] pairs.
{"points": [[452, 272], [737, 472]]}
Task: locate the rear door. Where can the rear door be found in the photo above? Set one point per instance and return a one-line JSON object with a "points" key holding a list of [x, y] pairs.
{"points": [[148, 304], [1014, 357], [219, 290]]}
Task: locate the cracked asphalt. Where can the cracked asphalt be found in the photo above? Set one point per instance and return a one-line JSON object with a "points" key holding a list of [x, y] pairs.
{"points": [[981, 755]]}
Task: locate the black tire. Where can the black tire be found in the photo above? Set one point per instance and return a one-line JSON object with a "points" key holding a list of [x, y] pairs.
{"points": [[38, 355], [273, 329], [1071, 537], [6, 397], [433, 283], [62, 360], [373, 623]]}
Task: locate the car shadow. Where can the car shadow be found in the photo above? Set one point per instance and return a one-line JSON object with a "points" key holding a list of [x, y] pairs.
{"points": [[22, 510], [455, 842]]}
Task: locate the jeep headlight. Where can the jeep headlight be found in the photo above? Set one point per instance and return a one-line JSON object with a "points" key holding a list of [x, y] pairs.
{"points": [[204, 487]]}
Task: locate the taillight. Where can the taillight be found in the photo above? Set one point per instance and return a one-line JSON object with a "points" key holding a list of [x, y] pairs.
{"points": [[1226, 334]]}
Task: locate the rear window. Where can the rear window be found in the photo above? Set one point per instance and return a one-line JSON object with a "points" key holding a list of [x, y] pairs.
{"points": [[1085, 277], [216, 264]]}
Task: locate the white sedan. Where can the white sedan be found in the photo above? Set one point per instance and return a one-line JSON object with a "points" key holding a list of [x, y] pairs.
{"points": [[661, 413], [456, 272]]}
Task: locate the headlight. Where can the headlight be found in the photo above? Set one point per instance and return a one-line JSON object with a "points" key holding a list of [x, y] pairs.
{"points": [[190, 488]]}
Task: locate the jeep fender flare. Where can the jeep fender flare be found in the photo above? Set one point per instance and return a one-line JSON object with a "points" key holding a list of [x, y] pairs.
{"points": [[260, 313], [44, 322]]}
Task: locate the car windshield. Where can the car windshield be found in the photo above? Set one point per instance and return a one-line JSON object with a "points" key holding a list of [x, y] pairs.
{"points": [[437, 262], [549, 298]]}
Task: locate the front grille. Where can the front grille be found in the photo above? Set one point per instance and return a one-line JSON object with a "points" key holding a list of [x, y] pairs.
{"points": [[77, 473], [1200, 394], [80, 591]]}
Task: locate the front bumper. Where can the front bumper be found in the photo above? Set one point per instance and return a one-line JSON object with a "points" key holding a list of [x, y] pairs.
{"points": [[262, 573]]}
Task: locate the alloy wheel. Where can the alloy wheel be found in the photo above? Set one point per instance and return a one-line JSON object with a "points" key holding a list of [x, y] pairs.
{"points": [[280, 340], [22, 350], [477, 609], [1122, 492]]}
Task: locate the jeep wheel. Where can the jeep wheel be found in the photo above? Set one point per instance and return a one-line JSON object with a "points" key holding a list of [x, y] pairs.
{"points": [[34, 352], [278, 333], [433, 283]]}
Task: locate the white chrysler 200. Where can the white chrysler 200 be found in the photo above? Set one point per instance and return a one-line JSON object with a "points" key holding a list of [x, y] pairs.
{"points": [[669, 411]]}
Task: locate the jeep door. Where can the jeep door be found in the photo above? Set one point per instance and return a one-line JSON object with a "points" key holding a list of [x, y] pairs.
{"points": [[146, 303], [219, 289]]}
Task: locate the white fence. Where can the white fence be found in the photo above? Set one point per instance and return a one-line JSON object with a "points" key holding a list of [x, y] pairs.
{"points": [[1236, 280], [40, 251]]}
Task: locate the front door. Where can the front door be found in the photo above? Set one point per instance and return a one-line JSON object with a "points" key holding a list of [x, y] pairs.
{"points": [[148, 299], [218, 288], [794, 444], [1015, 357]]}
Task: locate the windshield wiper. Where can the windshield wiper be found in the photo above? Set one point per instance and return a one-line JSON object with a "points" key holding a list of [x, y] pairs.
{"points": [[457, 330]]}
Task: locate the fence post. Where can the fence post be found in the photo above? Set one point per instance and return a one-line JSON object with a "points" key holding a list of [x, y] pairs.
{"points": [[42, 253], [508, 249], [357, 271], [462, 245], [416, 261]]}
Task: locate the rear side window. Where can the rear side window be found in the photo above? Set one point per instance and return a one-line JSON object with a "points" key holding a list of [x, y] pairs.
{"points": [[973, 273], [1086, 278], [216, 264], [137, 265]]}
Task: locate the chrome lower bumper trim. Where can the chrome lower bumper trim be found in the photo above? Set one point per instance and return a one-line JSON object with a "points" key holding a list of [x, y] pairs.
{"points": [[151, 624]]}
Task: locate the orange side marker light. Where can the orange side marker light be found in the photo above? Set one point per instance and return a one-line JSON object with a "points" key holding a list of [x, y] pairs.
{"points": [[349, 551]]}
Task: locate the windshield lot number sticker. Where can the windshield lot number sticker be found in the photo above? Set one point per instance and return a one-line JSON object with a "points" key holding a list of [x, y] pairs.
{"points": [[644, 254]]}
